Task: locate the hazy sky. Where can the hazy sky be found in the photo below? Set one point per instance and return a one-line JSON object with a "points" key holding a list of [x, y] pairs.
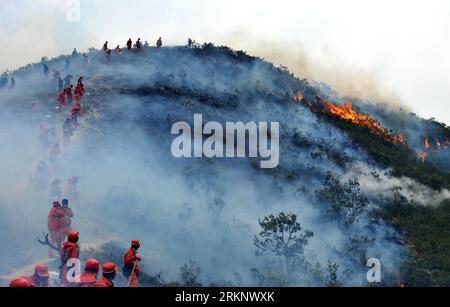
{"points": [[403, 45]]}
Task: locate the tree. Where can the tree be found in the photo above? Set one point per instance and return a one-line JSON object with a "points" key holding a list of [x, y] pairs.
{"points": [[343, 201], [283, 237], [332, 275], [190, 273], [328, 275], [356, 247]]}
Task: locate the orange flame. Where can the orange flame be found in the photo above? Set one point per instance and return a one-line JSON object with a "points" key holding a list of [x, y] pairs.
{"points": [[422, 155], [427, 143], [432, 147], [299, 97], [346, 112]]}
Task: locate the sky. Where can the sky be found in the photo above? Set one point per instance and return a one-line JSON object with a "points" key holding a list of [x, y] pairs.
{"points": [[379, 49]]}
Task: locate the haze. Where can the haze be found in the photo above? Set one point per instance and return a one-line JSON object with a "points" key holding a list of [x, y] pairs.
{"points": [[393, 50]]}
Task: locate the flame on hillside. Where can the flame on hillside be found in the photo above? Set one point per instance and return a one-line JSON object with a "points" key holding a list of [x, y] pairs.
{"points": [[347, 113], [432, 146], [429, 145], [299, 97]]}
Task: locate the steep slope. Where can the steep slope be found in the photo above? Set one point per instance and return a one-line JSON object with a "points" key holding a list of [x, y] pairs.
{"points": [[341, 180]]}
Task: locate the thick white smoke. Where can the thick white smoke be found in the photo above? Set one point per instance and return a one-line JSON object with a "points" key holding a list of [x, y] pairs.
{"points": [[190, 209]]}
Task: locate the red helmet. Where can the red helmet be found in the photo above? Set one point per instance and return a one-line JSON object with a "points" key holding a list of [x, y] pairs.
{"points": [[73, 236], [136, 242], [41, 271], [109, 268], [20, 283], [92, 265]]}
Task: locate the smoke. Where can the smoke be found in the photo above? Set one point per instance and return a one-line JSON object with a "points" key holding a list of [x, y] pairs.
{"points": [[313, 30], [30, 30], [190, 209], [384, 185], [323, 66]]}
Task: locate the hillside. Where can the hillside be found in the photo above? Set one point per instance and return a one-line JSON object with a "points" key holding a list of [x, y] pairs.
{"points": [[354, 182]]}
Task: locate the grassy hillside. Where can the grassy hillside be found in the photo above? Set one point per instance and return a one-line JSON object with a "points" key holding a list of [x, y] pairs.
{"points": [[427, 232], [426, 228], [401, 159]]}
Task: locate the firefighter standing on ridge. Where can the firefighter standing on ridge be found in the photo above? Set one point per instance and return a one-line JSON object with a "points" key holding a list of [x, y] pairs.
{"points": [[69, 250], [108, 54], [54, 225], [159, 43], [89, 277], [129, 44], [138, 44], [79, 92], [109, 273], [62, 99], [67, 80], [20, 283], [106, 51], [46, 70], [56, 75], [68, 92], [131, 268], [80, 85], [66, 221], [40, 277]]}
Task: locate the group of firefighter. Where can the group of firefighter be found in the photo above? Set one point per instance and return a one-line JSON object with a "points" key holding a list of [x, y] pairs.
{"points": [[65, 97], [62, 237], [70, 251], [137, 46]]}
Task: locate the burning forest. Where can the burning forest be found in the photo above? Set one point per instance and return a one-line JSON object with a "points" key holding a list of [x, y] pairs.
{"points": [[345, 189], [433, 146], [346, 112]]}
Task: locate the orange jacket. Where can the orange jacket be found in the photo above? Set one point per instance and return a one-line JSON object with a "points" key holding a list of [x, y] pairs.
{"points": [[66, 220], [104, 283], [69, 250], [130, 258], [33, 279], [68, 91], [62, 97], [54, 218], [87, 280]]}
